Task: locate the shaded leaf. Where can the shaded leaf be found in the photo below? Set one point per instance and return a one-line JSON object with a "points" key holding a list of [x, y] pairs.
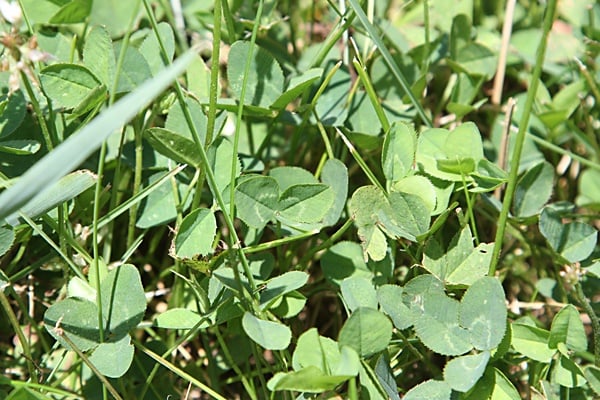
{"points": [[335, 174], [574, 241], [398, 154], [99, 56], [151, 51], [305, 202], [280, 285], [533, 190], [123, 299], [78, 319], [257, 200], [265, 75]]}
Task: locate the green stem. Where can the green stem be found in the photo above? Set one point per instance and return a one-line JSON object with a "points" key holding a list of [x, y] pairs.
{"points": [[520, 139], [17, 328], [38, 112], [240, 108], [95, 239], [179, 372], [585, 304], [363, 165], [387, 56], [105, 383], [212, 182]]}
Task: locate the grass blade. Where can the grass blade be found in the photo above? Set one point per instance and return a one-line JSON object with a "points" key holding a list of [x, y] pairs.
{"points": [[73, 151]]}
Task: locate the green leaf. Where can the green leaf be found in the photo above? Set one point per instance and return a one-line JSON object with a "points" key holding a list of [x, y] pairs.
{"points": [[78, 319], [487, 177], [20, 147], [177, 122], [335, 174], [533, 190], [450, 155], [464, 142], [317, 351], [402, 316], [398, 154], [13, 109], [268, 334], [343, 260], [503, 388], [177, 318], [115, 15], [419, 186], [298, 85], [592, 375], [566, 373], [99, 56], [7, 238], [291, 304], [367, 331], [24, 393], [463, 372], [73, 12], [574, 241], [80, 145], [461, 263], [331, 108], [150, 48], [123, 299], [134, 70], [219, 155], [265, 77], [287, 177], [429, 390], [305, 202], [113, 359], [174, 146], [310, 380], [438, 326], [403, 215], [67, 188], [567, 328], [67, 84], [196, 234], [159, 207], [483, 313], [358, 292], [589, 188], [385, 377], [532, 342], [277, 287], [257, 200]]}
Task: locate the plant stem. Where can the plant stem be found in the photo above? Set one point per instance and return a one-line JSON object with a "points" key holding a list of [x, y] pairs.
{"points": [[14, 322], [585, 304], [520, 139]]}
